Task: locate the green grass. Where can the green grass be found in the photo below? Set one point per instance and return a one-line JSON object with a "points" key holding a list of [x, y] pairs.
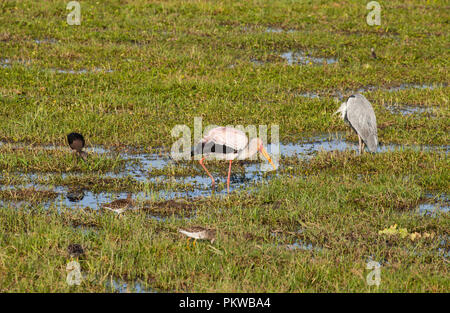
{"points": [[148, 66]]}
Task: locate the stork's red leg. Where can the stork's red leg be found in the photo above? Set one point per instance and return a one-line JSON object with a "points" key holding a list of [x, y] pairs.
{"points": [[207, 172], [229, 174]]}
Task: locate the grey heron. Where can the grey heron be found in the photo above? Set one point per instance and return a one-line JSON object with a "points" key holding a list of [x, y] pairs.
{"points": [[228, 143], [359, 114], [76, 143]]}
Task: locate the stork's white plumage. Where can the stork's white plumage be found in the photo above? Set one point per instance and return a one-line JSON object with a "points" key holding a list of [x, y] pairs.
{"points": [[228, 143], [227, 136]]}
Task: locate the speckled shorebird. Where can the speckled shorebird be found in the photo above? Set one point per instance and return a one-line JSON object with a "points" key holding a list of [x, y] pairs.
{"points": [[198, 232], [359, 114], [76, 142], [120, 205]]}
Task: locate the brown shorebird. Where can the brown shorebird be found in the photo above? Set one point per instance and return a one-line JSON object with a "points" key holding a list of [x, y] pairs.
{"points": [[76, 142], [120, 205], [373, 54], [198, 232]]}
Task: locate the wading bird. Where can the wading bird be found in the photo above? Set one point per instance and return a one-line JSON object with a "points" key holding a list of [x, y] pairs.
{"points": [[229, 144], [359, 114], [198, 232], [120, 205], [76, 142]]}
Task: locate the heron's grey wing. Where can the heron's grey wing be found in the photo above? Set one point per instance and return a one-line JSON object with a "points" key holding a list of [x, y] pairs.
{"points": [[361, 117]]}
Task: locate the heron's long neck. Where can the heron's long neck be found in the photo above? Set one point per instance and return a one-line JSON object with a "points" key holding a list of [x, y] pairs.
{"points": [[343, 110]]}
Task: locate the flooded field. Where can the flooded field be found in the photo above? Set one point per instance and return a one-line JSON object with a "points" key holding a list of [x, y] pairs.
{"points": [[158, 169], [133, 72]]}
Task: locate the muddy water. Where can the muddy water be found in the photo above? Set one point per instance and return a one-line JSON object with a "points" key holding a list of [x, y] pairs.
{"points": [[138, 166]]}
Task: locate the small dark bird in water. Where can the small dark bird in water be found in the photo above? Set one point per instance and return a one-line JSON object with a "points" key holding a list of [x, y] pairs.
{"points": [[76, 142], [75, 250], [75, 195], [372, 51]]}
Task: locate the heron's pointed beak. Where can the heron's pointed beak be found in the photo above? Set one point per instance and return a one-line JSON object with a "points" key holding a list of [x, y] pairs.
{"points": [[266, 155]]}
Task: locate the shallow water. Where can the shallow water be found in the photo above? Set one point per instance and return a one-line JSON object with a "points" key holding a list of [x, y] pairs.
{"points": [[294, 58], [45, 40], [279, 30], [139, 166], [435, 204], [408, 109], [82, 71], [342, 95], [301, 245], [121, 286]]}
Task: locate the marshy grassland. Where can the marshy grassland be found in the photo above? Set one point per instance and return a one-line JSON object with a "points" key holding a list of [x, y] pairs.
{"points": [[134, 69]]}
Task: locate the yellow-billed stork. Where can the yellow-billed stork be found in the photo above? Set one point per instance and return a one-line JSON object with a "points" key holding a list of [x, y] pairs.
{"points": [[230, 144]]}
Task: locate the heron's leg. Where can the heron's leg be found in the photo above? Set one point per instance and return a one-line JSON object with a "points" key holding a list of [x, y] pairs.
{"points": [[359, 139], [229, 174], [363, 146], [207, 172]]}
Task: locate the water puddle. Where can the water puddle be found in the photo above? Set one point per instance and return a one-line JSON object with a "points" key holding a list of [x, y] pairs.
{"points": [[342, 95], [82, 71], [444, 248], [435, 205], [413, 86], [408, 109], [279, 30], [7, 63], [256, 62], [301, 58], [45, 41], [121, 286], [305, 246]]}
